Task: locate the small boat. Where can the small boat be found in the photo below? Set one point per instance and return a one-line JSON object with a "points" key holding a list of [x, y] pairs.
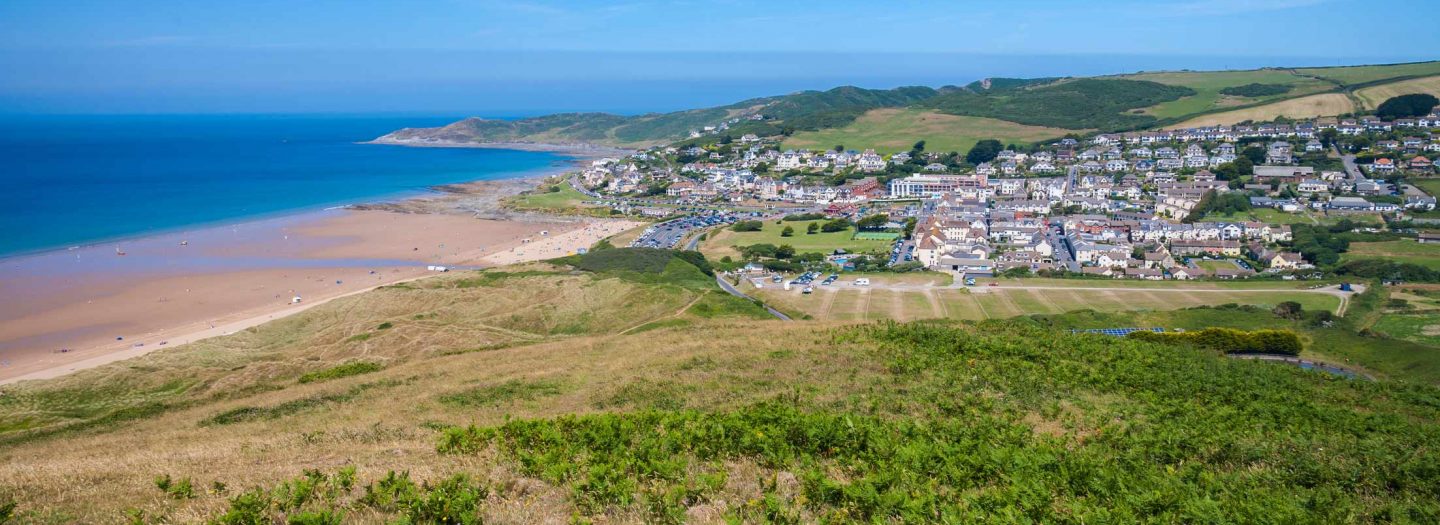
{"points": [[184, 243], [118, 251]]}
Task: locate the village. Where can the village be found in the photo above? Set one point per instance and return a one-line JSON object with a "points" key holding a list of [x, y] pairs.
{"points": [[1215, 202]]}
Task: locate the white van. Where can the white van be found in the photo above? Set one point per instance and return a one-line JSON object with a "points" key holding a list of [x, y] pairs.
{"points": [[863, 281]]}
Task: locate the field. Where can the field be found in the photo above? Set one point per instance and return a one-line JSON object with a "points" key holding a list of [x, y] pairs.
{"points": [[565, 201], [1403, 250], [1324, 104], [1374, 95], [623, 387], [1418, 328], [895, 130], [845, 302], [1361, 74], [1431, 185], [1208, 85], [1265, 215], [1212, 264], [721, 242]]}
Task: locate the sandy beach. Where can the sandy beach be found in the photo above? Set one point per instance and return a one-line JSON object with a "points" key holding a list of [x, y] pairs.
{"points": [[77, 309]]}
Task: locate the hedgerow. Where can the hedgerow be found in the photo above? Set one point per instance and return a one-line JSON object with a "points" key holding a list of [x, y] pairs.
{"points": [[1230, 340], [345, 370]]}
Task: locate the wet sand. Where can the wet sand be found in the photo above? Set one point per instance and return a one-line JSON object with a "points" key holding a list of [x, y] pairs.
{"points": [[75, 309]]}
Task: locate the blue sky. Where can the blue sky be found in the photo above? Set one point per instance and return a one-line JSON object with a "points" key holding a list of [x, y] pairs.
{"points": [[480, 56]]}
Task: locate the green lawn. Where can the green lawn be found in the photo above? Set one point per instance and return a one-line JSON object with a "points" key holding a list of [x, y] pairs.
{"points": [[1431, 185], [567, 201], [1403, 250], [803, 242], [1423, 328], [1214, 264], [895, 130]]}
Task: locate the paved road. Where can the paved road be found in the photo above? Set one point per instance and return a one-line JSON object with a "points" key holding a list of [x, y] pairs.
{"points": [[575, 183], [725, 285], [1348, 160]]}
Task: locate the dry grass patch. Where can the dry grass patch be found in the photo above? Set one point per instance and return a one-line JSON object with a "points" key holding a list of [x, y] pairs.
{"points": [[1373, 96], [1325, 104]]}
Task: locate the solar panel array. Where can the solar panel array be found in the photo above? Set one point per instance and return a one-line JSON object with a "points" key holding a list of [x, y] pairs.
{"points": [[1117, 332]]}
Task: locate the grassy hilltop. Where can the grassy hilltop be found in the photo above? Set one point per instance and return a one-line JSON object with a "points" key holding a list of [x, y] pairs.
{"points": [[623, 386], [1012, 110]]}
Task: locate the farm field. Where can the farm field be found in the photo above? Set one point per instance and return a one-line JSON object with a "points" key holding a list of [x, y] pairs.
{"points": [[846, 303], [1208, 85], [722, 242], [1361, 74], [1403, 250], [1374, 95], [895, 130], [1324, 104]]}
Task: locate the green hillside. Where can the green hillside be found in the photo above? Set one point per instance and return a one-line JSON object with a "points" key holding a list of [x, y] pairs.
{"points": [[623, 386], [1108, 103], [1085, 103]]}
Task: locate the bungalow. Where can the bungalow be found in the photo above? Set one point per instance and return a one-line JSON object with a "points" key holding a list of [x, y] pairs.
{"points": [[1147, 274], [1313, 186], [1182, 273]]}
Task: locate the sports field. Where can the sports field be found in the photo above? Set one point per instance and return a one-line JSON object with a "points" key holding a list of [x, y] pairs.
{"points": [[894, 130], [722, 242], [847, 302]]}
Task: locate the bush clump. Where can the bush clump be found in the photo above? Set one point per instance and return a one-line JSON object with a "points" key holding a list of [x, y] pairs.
{"points": [[1231, 341], [1256, 90], [346, 370]]}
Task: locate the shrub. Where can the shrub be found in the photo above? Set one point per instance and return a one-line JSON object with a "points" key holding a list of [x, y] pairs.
{"points": [[346, 370], [1256, 90], [797, 217], [1229, 340], [748, 226], [316, 517], [1412, 105], [837, 225]]}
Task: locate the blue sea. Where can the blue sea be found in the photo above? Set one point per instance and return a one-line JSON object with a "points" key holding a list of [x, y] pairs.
{"points": [[69, 180]]}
